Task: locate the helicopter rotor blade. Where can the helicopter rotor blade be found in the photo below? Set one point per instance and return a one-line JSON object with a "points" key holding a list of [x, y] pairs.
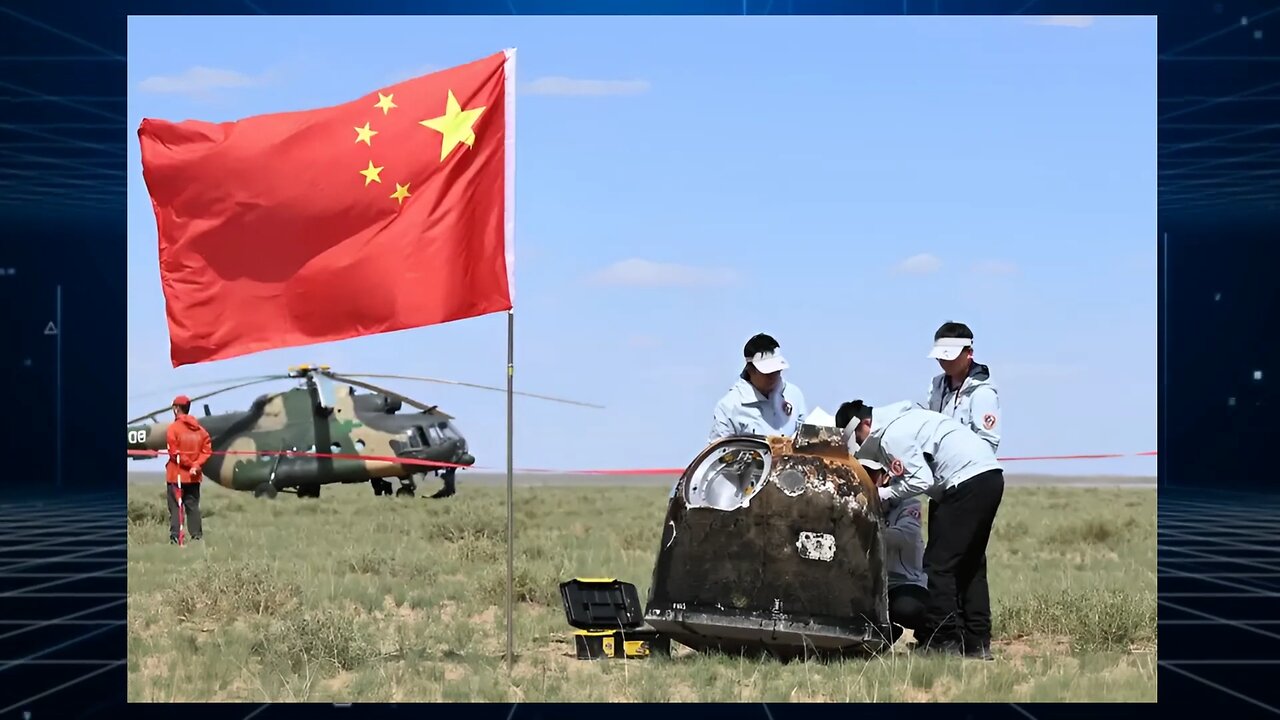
{"points": [[390, 393], [208, 395], [206, 383], [481, 387]]}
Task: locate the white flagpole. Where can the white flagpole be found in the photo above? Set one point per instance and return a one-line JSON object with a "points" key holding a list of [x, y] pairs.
{"points": [[510, 233]]}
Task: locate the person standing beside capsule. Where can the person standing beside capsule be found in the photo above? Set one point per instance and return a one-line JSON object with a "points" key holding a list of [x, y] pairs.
{"points": [[964, 389]]}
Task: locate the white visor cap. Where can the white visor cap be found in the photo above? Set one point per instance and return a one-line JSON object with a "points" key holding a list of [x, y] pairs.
{"points": [[769, 362], [949, 348]]}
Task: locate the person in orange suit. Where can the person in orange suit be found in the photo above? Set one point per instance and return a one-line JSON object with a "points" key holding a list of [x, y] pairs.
{"points": [[190, 447]]}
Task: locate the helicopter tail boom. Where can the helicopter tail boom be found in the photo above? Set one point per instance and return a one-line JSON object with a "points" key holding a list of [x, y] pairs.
{"points": [[147, 437]]}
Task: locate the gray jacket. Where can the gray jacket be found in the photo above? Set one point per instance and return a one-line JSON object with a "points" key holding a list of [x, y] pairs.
{"points": [[976, 404], [924, 451], [904, 543]]}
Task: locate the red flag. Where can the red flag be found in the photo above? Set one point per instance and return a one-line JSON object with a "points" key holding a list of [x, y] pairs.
{"points": [[384, 213]]}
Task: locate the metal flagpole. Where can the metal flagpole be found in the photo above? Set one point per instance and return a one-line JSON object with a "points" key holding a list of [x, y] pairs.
{"points": [[509, 242], [511, 518]]}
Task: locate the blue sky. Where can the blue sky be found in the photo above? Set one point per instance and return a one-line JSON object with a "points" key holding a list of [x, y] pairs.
{"points": [[844, 184]]}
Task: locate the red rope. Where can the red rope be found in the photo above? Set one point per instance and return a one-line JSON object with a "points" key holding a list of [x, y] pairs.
{"points": [[631, 471]]}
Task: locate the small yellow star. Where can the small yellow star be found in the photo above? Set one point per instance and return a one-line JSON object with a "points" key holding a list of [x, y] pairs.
{"points": [[402, 192], [384, 102], [371, 175], [455, 125], [365, 135]]}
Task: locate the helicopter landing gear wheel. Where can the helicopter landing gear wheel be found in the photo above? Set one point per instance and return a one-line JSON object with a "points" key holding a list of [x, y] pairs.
{"points": [[266, 490], [449, 489], [309, 491], [380, 487], [408, 486]]}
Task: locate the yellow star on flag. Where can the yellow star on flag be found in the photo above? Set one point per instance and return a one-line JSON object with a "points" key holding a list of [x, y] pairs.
{"points": [[365, 135], [384, 102], [454, 125], [371, 175], [402, 192]]}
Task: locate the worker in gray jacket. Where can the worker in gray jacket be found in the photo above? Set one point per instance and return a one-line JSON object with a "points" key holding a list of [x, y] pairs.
{"points": [[904, 558], [964, 390], [928, 453]]}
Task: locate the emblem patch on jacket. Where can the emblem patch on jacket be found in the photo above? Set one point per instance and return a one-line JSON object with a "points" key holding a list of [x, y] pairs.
{"points": [[989, 420]]}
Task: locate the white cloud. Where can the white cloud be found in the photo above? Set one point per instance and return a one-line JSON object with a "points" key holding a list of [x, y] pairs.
{"points": [[1075, 21], [572, 86], [995, 267], [645, 273], [921, 264], [201, 81]]}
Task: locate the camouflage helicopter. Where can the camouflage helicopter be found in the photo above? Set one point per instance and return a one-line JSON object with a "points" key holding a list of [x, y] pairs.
{"points": [[324, 415]]}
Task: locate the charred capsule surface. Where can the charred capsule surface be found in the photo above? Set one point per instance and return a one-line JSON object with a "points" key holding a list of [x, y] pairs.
{"points": [[774, 545]]}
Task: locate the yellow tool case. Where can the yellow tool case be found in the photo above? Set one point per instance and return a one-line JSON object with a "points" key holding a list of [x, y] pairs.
{"points": [[617, 644], [609, 621]]}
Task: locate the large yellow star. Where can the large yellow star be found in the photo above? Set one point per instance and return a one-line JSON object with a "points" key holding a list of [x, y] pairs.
{"points": [[371, 175], [455, 125], [384, 102], [402, 192], [365, 135]]}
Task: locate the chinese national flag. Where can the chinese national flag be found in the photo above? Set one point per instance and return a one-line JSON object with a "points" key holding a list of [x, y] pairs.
{"points": [[385, 213]]}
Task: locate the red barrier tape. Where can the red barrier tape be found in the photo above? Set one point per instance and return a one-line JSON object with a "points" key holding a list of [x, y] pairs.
{"points": [[633, 471], [336, 456]]}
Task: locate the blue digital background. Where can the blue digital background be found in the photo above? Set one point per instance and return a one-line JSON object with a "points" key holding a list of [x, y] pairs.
{"points": [[62, 261]]}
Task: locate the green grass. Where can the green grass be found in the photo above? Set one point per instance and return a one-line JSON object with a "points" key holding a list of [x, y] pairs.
{"points": [[354, 598]]}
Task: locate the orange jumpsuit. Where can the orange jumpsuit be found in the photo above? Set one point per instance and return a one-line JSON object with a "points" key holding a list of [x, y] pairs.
{"points": [[189, 446]]}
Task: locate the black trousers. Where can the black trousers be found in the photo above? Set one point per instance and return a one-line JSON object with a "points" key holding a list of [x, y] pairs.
{"points": [[955, 559], [190, 510], [907, 607]]}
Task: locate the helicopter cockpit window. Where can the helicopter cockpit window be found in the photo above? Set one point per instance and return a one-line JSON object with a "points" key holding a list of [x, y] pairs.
{"points": [[448, 430], [728, 478], [415, 440]]}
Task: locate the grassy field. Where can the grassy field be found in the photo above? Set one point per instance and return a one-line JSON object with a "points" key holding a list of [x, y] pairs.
{"points": [[352, 598]]}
